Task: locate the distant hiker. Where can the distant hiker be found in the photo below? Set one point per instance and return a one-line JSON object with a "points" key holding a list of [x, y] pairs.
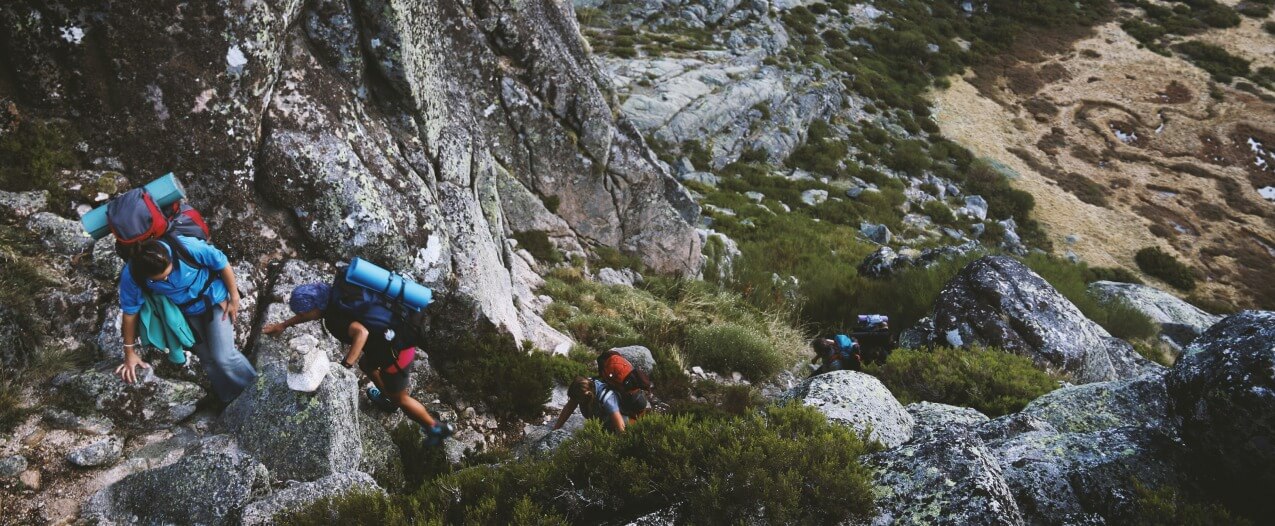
{"points": [[872, 333], [838, 353], [598, 401], [196, 277], [383, 352]]}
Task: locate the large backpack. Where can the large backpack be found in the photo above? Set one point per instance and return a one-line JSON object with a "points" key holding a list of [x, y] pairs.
{"points": [[376, 311], [180, 256], [849, 351], [135, 218], [627, 381]]}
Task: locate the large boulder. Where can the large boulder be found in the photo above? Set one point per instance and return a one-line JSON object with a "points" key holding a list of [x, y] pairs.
{"points": [[299, 436], [1179, 321], [1223, 388], [59, 234], [997, 301], [858, 401], [300, 494], [209, 485], [931, 418], [1133, 402], [947, 478], [1088, 478], [151, 403]]}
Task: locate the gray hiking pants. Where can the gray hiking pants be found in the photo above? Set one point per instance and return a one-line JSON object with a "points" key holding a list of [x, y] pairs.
{"points": [[228, 369]]}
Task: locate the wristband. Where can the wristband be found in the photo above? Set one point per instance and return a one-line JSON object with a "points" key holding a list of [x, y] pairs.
{"points": [[346, 364]]}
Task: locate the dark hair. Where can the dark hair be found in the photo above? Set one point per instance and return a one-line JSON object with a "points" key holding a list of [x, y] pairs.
{"points": [[822, 346], [151, 260], [580, 389]]}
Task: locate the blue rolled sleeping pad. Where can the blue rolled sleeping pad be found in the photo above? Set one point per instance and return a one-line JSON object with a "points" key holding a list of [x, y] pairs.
{"points": [[164, 191], [390, 284]]}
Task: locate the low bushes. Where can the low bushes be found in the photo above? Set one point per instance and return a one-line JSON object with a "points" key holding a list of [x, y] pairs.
{"points": [[992, 381], [1072, 281], [727, 347], [1222, 65], [488, 367], [776, 466], [1162, 265], [538, 244]]}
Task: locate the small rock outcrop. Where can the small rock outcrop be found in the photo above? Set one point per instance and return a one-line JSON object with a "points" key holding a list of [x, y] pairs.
{"points": [[997, 301], [298, 436], [101, 452], [858, 401], [948, 478], [1134, 402], [300, 494], [1179, 321], [210, 485], [152, 403], [1223, 388], [931, 418]]}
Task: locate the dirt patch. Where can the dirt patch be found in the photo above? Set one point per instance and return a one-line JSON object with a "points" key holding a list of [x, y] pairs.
{"points": [[1132, 128]]}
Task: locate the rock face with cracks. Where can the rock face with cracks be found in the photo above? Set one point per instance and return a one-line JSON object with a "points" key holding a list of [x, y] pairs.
{"points": [[997, 301], [419, 135]]}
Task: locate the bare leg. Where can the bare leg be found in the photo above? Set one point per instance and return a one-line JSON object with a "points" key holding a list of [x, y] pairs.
{"points": [[412, 408], [375, 376]]}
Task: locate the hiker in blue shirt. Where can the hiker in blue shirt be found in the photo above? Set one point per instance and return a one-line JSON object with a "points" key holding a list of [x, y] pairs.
{"points": [[596, 400], [198, 279], [838, 353]]}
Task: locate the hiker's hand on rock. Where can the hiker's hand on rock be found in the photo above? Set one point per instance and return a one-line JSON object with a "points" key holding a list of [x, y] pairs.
{"points": [[230, 308], [272, 329], [127, 371]]}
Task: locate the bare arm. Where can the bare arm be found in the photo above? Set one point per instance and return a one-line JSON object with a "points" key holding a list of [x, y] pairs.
{"points": [[230, 308], [277, 328], [617, 421], [127, 370], [359, 333], [565, 414]]}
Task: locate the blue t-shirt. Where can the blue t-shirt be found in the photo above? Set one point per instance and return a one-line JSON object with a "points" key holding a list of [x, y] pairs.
{"points": [[184, 282], [605, 401]]}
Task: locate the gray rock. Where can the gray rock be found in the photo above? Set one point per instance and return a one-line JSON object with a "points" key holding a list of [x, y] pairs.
{"points": [[12, 466], [879, 234], [107, 265], [308, 363], [1179, 320], [1223, 388], [209, 485], [720, 254], [756, 197], [101, 452], [997, 301], [639, 356], [152, 403], [59, 234], [1132, 402], [1012, 425], [299, 495], [704, 178], [381, 457], [543, 440], [931, 418], [946, 478], [858, 401], [1069, 478], [880, 263], [814, 197], [975, 207], [62, 419], [21, 205], [623, 277], [298, 436]]}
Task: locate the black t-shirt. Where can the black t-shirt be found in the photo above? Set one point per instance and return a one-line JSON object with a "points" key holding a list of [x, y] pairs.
{"points": [[377, 349]]}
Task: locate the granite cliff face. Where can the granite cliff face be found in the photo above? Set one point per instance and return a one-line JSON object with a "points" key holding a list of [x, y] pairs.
{"points": [[419, 134]]}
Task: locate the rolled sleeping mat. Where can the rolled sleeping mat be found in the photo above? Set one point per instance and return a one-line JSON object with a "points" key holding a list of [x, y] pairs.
{"points": [[164, 191], [390, 284]]}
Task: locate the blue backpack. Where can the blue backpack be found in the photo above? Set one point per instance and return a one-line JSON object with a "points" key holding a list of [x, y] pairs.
{"points": [[377, 312], [849, 350]]}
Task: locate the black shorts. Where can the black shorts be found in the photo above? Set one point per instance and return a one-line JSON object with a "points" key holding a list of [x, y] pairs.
{"points": [[377, 357]]}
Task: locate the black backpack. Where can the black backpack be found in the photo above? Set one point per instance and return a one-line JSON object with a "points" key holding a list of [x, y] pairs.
{"points": [[377, 311]]}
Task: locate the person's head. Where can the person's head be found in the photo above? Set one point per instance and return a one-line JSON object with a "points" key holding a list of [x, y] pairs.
{"points": [[152, 261], [309, 297], [580, 390], [823, 346]]}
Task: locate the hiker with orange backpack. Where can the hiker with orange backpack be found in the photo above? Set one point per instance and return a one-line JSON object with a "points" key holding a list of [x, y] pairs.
{"points": [[168, 259], [616, 396], [379, 343]]}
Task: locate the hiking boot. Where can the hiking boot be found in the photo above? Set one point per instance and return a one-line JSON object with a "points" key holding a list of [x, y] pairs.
{"points": [[435, 435], [380, 401]]}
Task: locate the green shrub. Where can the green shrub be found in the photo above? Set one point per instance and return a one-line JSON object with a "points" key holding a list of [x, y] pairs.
{"points": [[32, 155], [1166, 505], [487, 367], [1116, 274], [939, 212], [552, 203], [1212, 305], [1003, 201], [992, 381], [538, 244], [1072, 281], [604, 256], [1222, 65], [1154, 353], [699, 156], [1123, 321], [777, 466], [728, 347], [355, 509], [1162, 265], [1269, 27]]}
